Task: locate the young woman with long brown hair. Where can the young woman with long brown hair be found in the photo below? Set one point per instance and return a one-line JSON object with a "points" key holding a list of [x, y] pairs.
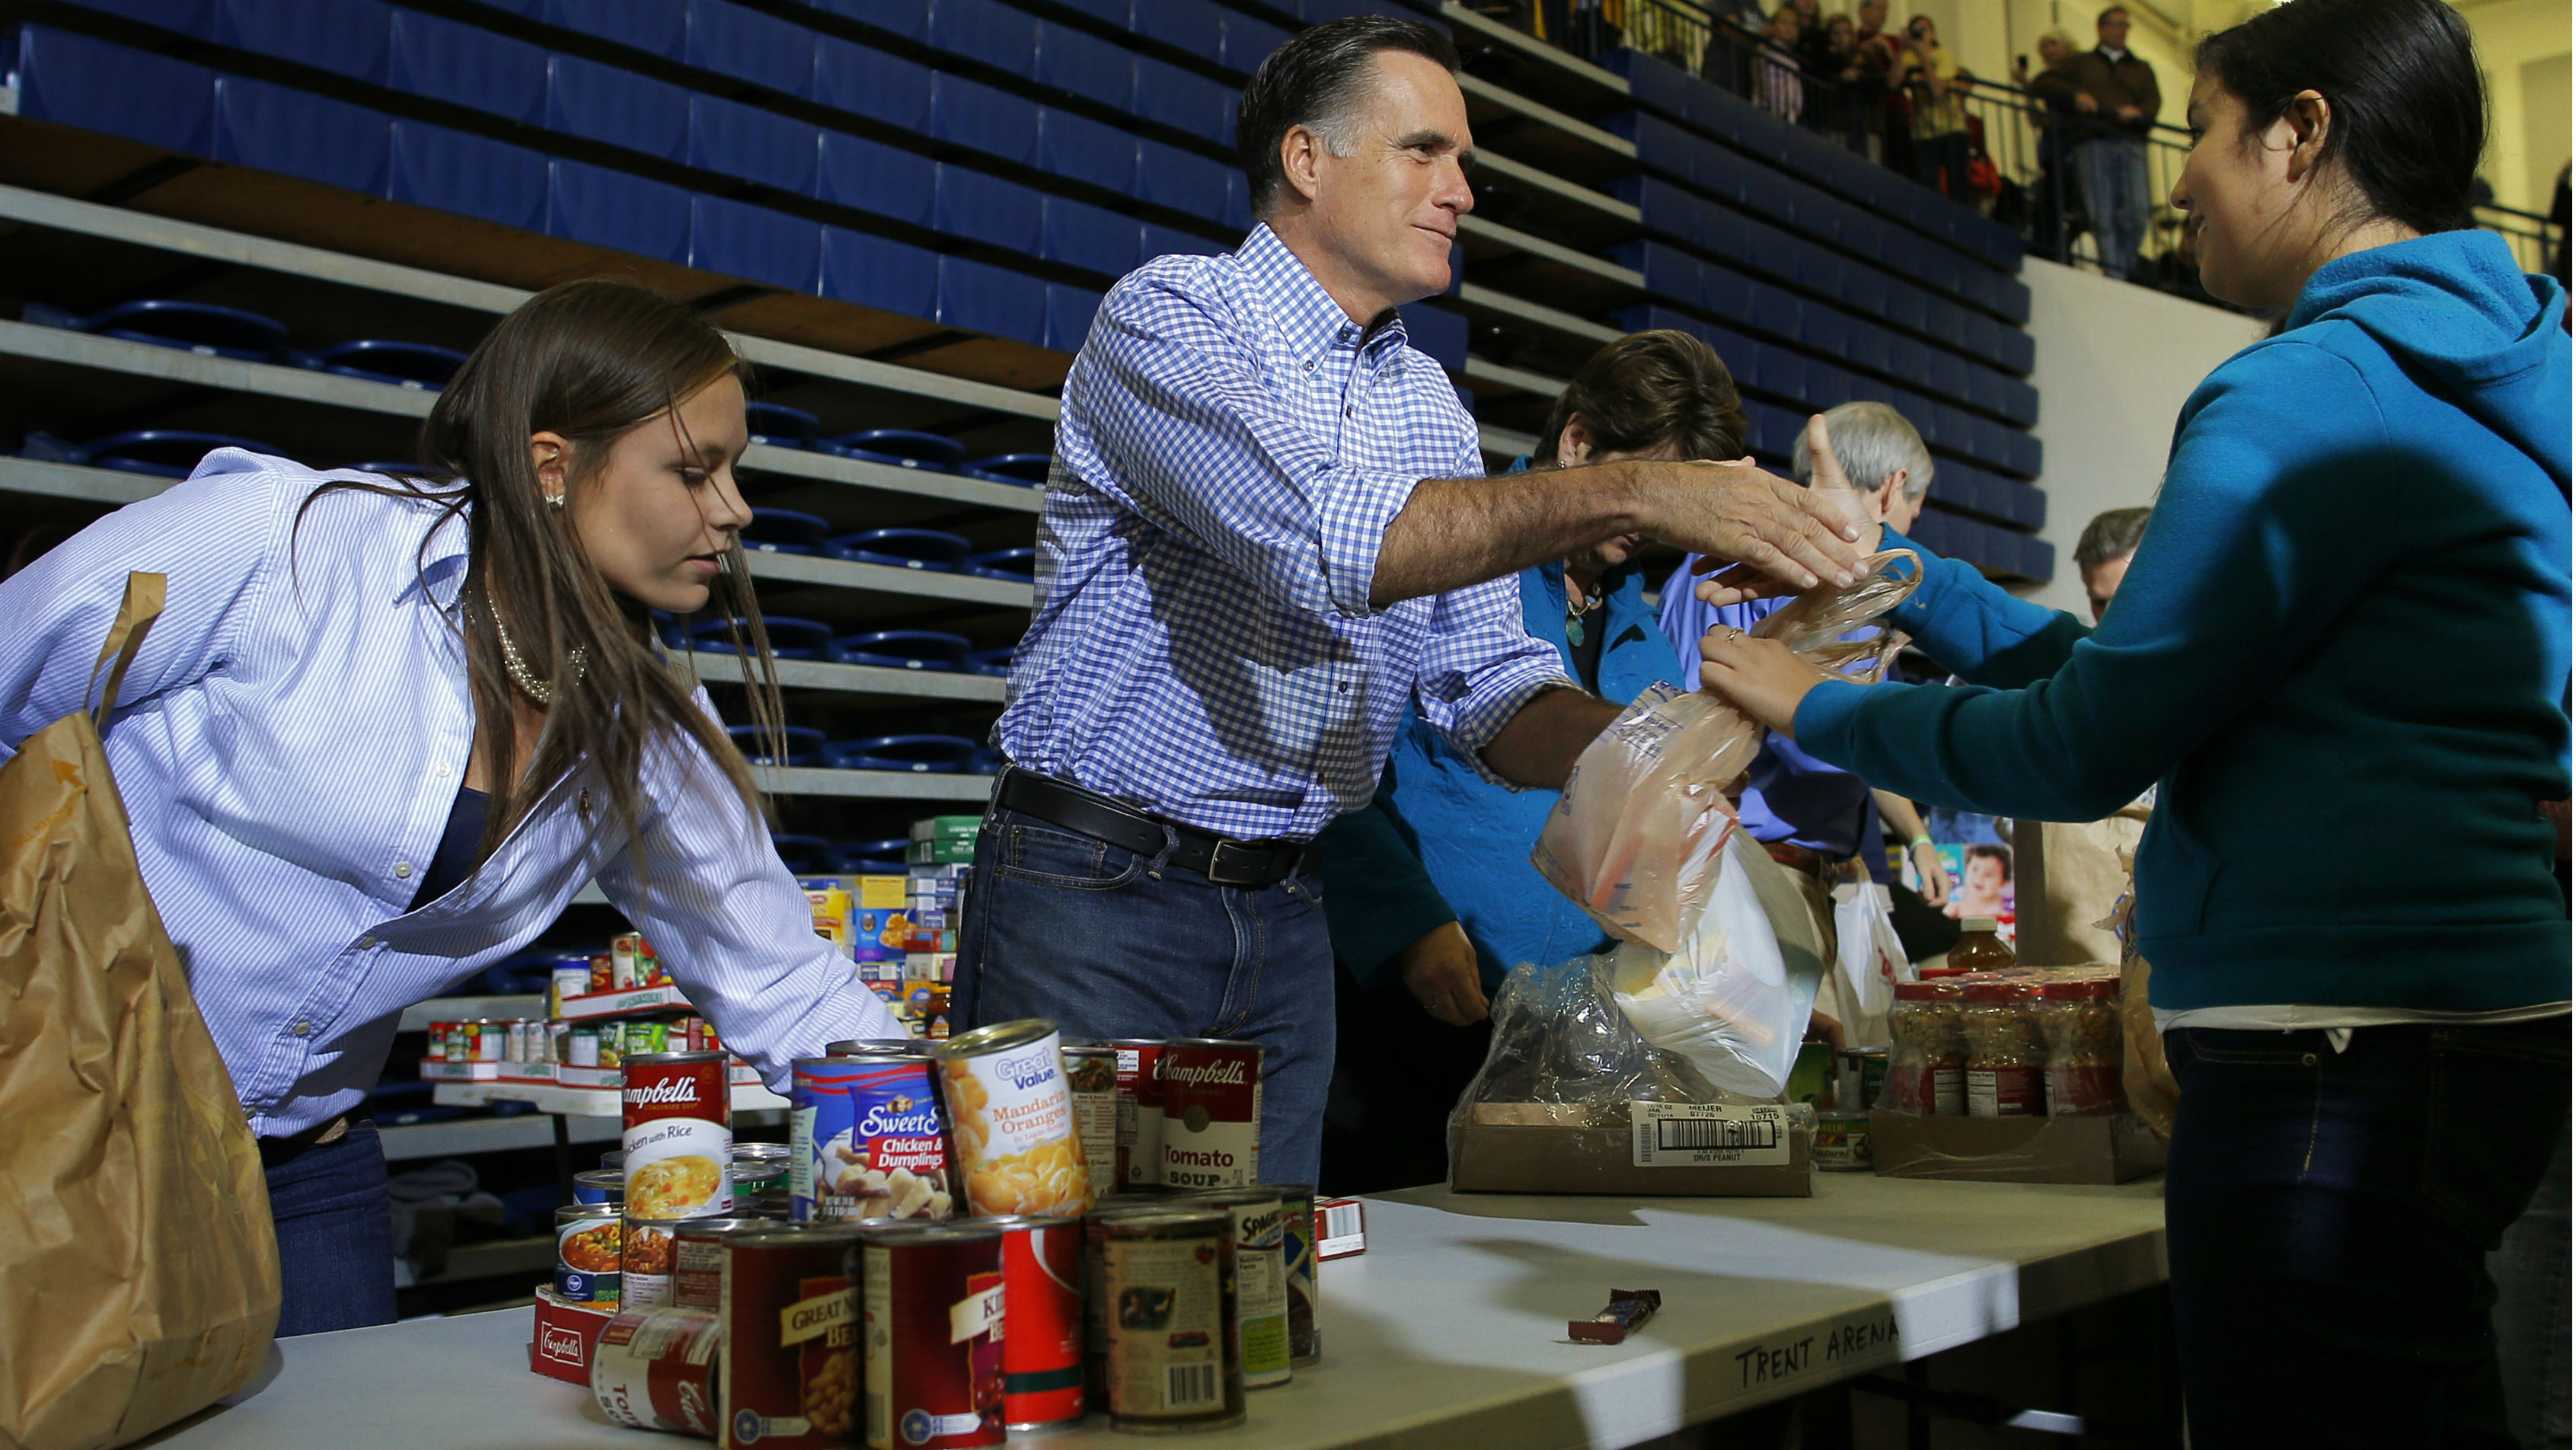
{"points": [[385, 728]]}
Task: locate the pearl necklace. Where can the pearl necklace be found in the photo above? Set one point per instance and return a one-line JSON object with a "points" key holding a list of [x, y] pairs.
{"points": [[525, 678]]}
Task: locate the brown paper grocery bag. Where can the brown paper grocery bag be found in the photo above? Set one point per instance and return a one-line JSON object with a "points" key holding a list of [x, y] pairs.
{"points": [[138, 1267], [2065, 877]]}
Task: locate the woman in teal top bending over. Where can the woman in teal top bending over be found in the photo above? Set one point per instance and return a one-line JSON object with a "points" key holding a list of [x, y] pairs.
{"points": [[2342, 656]]}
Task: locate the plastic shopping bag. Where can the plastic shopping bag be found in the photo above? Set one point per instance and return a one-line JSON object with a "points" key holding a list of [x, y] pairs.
{"points": [[1869, 961]]}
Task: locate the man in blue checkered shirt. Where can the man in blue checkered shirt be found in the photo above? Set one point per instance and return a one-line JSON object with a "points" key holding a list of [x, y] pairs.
{"points": [[1266, 533]]}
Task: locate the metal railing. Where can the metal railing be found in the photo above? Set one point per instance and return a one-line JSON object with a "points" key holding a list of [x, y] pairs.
{"points": [[2014, 156]]}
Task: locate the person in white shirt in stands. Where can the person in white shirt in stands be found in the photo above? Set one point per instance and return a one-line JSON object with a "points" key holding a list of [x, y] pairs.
{"points": [[384, 729]]}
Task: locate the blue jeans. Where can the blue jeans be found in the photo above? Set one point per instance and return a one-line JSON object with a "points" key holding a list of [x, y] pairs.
{"points": [[2328, 1217], [2112, 174], [1108, 943], [335, 1244]]}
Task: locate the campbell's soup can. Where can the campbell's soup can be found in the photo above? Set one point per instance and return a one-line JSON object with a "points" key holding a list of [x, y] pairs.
{"points": [[1211, 1113], [931, 1300], [656, 1369], [589, 1253], [679, 1135], [867, 1138], [1297, 1254], [1140, 1112], [1042, 1322], [1091, 1076], [1165, 1307], [791, 1348], [1260, 1282], [1010, 1114], [697, 1257]]}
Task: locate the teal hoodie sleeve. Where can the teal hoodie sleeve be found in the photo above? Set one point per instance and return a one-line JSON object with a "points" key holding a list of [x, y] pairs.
{"points": [[2264, 532], [1378, 899]]}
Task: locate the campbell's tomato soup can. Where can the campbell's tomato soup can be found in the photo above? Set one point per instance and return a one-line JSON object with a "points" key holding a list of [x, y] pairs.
{"points": [[589, 1253], [679, 1135], [697, 1257], [791, 1348], [1165, 1303], [1297, 1256], [656, 1369], [867, 1138], [1140, 1112], [1211, 1113], [1042, 1321], [931, 1299], [1010, 1114], [1091, 1076]]}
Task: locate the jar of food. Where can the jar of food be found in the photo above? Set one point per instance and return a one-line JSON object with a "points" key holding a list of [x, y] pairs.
{"points": [[2080, 1018], [1979, 949], [2007, 1057], [1927, 1056]]}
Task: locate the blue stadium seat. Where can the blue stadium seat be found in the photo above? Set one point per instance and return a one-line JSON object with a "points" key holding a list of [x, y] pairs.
{"points": [[466, 65], [755, 244], [1946, 374], [1865, 289], [875, 177], [907, 18], [1083, 64], [1183, 100], [1775, 311], [605, 208], [1436, 332], [972, 114], [985, 208], [275, 128], [1946, 321], [1069, 311], [1182, 180], [344, 36], [1248, 42], [999, 35], [1907, 306], [188, 17], [1157, 240], [974, 297], [2030, 506], [2025, 454], [1826, 330], [1078, 234], [732, 139], [1725, 292], [1193, 25], [1086, 150], [1867, 345], [1237, 216], [1784, 375], [875, 272], [868, 82], [658, 27], [2017, 352], [2020, 402], [96, 85], [618, 107], [452, 171], [1115, 12], [747, 44], [1827, 386]]}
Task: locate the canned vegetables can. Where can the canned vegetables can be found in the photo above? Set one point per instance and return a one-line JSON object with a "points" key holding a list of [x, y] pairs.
{"points": [[589, 1253], [1211, 1113], [1011, 1117], [1167, 1295], [867, 1139], [932, 1304], [1842, 1143], [679, 1135]]}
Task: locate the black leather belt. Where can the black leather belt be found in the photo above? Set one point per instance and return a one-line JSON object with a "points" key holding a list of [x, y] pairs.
{"points": [[1249, 864]]}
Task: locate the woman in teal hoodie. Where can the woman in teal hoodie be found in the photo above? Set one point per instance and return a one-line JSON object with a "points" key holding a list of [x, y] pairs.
{"points": [[2341, 655]]}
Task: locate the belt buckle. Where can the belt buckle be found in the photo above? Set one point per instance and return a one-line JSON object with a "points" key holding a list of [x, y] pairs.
{"points": [[1223, 875]]}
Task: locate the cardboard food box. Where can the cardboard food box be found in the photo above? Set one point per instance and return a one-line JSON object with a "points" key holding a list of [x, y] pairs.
{"points": [[2109, 1149], [1653, 1150], [566, 1334]]}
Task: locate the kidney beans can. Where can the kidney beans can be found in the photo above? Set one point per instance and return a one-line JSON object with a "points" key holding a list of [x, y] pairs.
{"points": [[1010, 1114], [1260, 1326], [1042, 1321], [791, 1353], [1140, 1112], [867, 1138], [1166, 1280], [656, 1369], [1211, 1113], [1091, 1076], [1297, 1255], [589, 1253], [648, 1255], [679, 1135], [932, 1299], [697, 1257]]}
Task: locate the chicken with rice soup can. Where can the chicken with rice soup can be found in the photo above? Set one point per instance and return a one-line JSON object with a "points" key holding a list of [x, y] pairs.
{"points": [[1165, 1280], [1091, 1076], [931, 1302], [697, 1258], [679, 1135], [1010, 1115], [1042, 1320], [589, 1253], [657, 1369], [1211, 1113], [1297, 1254], [1260, 1326], [867, 1139], [1140, 1112], [791, 1347]]}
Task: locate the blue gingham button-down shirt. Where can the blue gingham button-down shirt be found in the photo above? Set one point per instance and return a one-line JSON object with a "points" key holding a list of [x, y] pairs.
{"points": [[1231, 451], [289, 743]]}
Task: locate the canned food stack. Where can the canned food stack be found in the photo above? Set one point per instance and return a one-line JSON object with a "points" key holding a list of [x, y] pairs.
{"points": [[900, 931], [2018, 1042]]}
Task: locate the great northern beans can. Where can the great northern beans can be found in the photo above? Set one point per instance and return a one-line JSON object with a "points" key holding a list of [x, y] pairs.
{"points": [[867, 1139], [1166, 1280], [679, 1135], [1211, 1113], [932, 1303], [1011, 1116], [791, 1352]]}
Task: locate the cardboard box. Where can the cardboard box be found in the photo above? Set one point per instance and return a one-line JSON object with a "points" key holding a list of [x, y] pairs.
{"points": [[2110, 1149], [1567, 1148], [565, 1336], [459, 1071], [596, 1005], [883, 893]]}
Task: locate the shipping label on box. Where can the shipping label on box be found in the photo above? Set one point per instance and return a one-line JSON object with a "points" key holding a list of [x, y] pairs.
{"points": [[1698, 1135]]}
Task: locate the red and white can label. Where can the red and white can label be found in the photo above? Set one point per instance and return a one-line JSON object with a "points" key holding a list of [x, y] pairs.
{"points": [[1042, 1323], [1211, 1115], [679, 1138], [654, 1369], [1140, 1114]]}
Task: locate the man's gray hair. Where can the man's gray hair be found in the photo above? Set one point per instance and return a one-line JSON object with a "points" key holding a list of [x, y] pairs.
{"points": [[1871, 442]]}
